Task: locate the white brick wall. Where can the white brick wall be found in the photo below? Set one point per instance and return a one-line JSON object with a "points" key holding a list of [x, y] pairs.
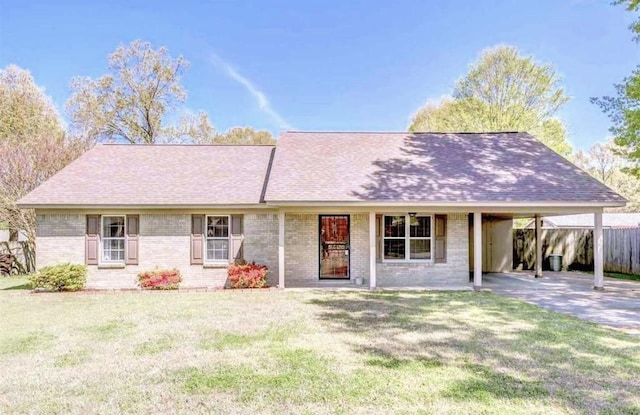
{"points": [[261, 242], [302, 249], [164, 242], [60, 239], [454, 272]]}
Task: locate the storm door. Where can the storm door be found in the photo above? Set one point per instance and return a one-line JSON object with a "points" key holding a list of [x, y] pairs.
{"points": [[334, 246]]}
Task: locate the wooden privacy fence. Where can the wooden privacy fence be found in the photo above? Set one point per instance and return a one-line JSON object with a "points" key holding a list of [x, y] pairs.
{"points": [[621, 249]]}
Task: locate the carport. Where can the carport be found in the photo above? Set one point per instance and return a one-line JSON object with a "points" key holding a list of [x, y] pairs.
{"points": [[491, 245]]}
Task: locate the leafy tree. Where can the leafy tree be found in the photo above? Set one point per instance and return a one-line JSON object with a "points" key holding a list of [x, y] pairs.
{"points": [[245, 135], [623, 109], [192, 128], [131, 103], [25, 111], [604, 163], [502, 91], [33, 147]]}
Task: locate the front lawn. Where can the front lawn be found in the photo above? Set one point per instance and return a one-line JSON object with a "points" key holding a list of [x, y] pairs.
{"points": [[307, 352]]}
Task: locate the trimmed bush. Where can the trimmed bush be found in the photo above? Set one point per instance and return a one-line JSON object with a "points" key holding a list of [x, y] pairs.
{"points": [[64, 277], [160, 279], [248, 275]]}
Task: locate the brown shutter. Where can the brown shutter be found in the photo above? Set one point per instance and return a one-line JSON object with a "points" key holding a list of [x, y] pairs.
{"points": [[236, 238], [378, 238], [92, 239], [441, 239], [197, 239], [133, 224]]}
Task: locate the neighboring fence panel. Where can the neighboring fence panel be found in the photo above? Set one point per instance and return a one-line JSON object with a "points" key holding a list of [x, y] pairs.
{"points": [[621, 249]]}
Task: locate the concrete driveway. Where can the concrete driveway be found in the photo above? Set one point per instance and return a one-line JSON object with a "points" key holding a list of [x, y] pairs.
{"points": [[618, 306]]}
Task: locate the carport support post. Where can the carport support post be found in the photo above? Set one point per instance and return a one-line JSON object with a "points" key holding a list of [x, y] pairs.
{"points": [[280, 249], [477, 250], [538, 220], [598, 252], [372, 250]]}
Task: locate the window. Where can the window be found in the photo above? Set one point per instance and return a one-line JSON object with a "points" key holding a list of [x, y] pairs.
{"points": [[113, 238], [407, 238], [217, 236]]}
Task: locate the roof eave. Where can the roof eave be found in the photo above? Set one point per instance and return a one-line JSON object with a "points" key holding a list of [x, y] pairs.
{"points": [[144, 206], [470, 204]]}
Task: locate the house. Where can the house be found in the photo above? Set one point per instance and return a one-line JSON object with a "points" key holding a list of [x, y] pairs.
{"points": [[585, 221], [320, 208]]}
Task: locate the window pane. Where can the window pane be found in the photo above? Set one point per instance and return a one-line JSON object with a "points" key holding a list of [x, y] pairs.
{"points": [[217, 250], [217, 226], [113, 227], [113, 250], [394, 226], [420, 227], [394, 248], [420, 249]]}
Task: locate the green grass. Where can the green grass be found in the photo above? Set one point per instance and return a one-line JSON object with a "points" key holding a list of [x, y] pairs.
{"points": [[620, 276], [272, 352], [632, 277], [14, 282]]}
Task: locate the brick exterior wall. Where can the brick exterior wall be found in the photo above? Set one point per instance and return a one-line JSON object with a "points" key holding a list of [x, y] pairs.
{"points": [[454, 272], [60, 239], [302, 250], [164, 241], [261, 242]]}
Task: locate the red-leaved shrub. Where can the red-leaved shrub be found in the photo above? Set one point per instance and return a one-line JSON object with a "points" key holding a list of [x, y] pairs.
{"points": [[160, 279], [248, 275]]}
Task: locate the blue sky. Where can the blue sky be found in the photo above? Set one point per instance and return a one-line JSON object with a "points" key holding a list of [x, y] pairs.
{"points": [[321, 65]]}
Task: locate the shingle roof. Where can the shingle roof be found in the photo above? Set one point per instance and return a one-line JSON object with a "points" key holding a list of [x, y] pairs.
{"points": [[149, 175], [609, 220], [426, 167]]}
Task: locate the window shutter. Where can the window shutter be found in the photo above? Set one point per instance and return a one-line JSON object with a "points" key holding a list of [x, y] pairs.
{"points": [[92, 239], [236, 238], [441, 239], [133, 224], [378, 238], [197, 239]]}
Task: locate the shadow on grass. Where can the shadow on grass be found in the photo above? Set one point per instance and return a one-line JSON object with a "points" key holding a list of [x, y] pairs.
{"points": [[18, 287], [508, 349]]}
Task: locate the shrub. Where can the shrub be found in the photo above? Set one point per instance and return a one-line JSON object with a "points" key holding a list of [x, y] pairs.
{"points": [[247, 275], [64, 277], [160, 279]]}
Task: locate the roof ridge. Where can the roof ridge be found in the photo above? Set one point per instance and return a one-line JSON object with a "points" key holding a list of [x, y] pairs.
{"points": [[402, 132], [183, 145]]}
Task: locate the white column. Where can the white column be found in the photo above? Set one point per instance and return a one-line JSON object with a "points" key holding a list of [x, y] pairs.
{"points": [[598, 252], [477, 250], [372, 250], [280, 249], [538, 267]]}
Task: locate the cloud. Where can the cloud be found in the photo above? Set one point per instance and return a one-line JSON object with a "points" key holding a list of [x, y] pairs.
{"points": [[258, 95]]}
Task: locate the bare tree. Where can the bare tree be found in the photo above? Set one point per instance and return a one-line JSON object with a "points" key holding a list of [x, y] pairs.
{"points": [[23, 168]]}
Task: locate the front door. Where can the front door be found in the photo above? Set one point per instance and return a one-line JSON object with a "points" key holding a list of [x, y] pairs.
{"points": [[334, 247]]}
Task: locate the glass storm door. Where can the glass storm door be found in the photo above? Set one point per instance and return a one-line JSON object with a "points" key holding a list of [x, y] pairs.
{"points": [[334, 247]]}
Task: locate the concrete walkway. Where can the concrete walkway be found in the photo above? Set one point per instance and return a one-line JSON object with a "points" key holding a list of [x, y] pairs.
{"points": [[618, 306]]}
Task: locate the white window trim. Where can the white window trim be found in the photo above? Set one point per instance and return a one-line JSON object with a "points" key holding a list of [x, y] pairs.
{"points": [[207, 238], [102, 237], [407, 238]]}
